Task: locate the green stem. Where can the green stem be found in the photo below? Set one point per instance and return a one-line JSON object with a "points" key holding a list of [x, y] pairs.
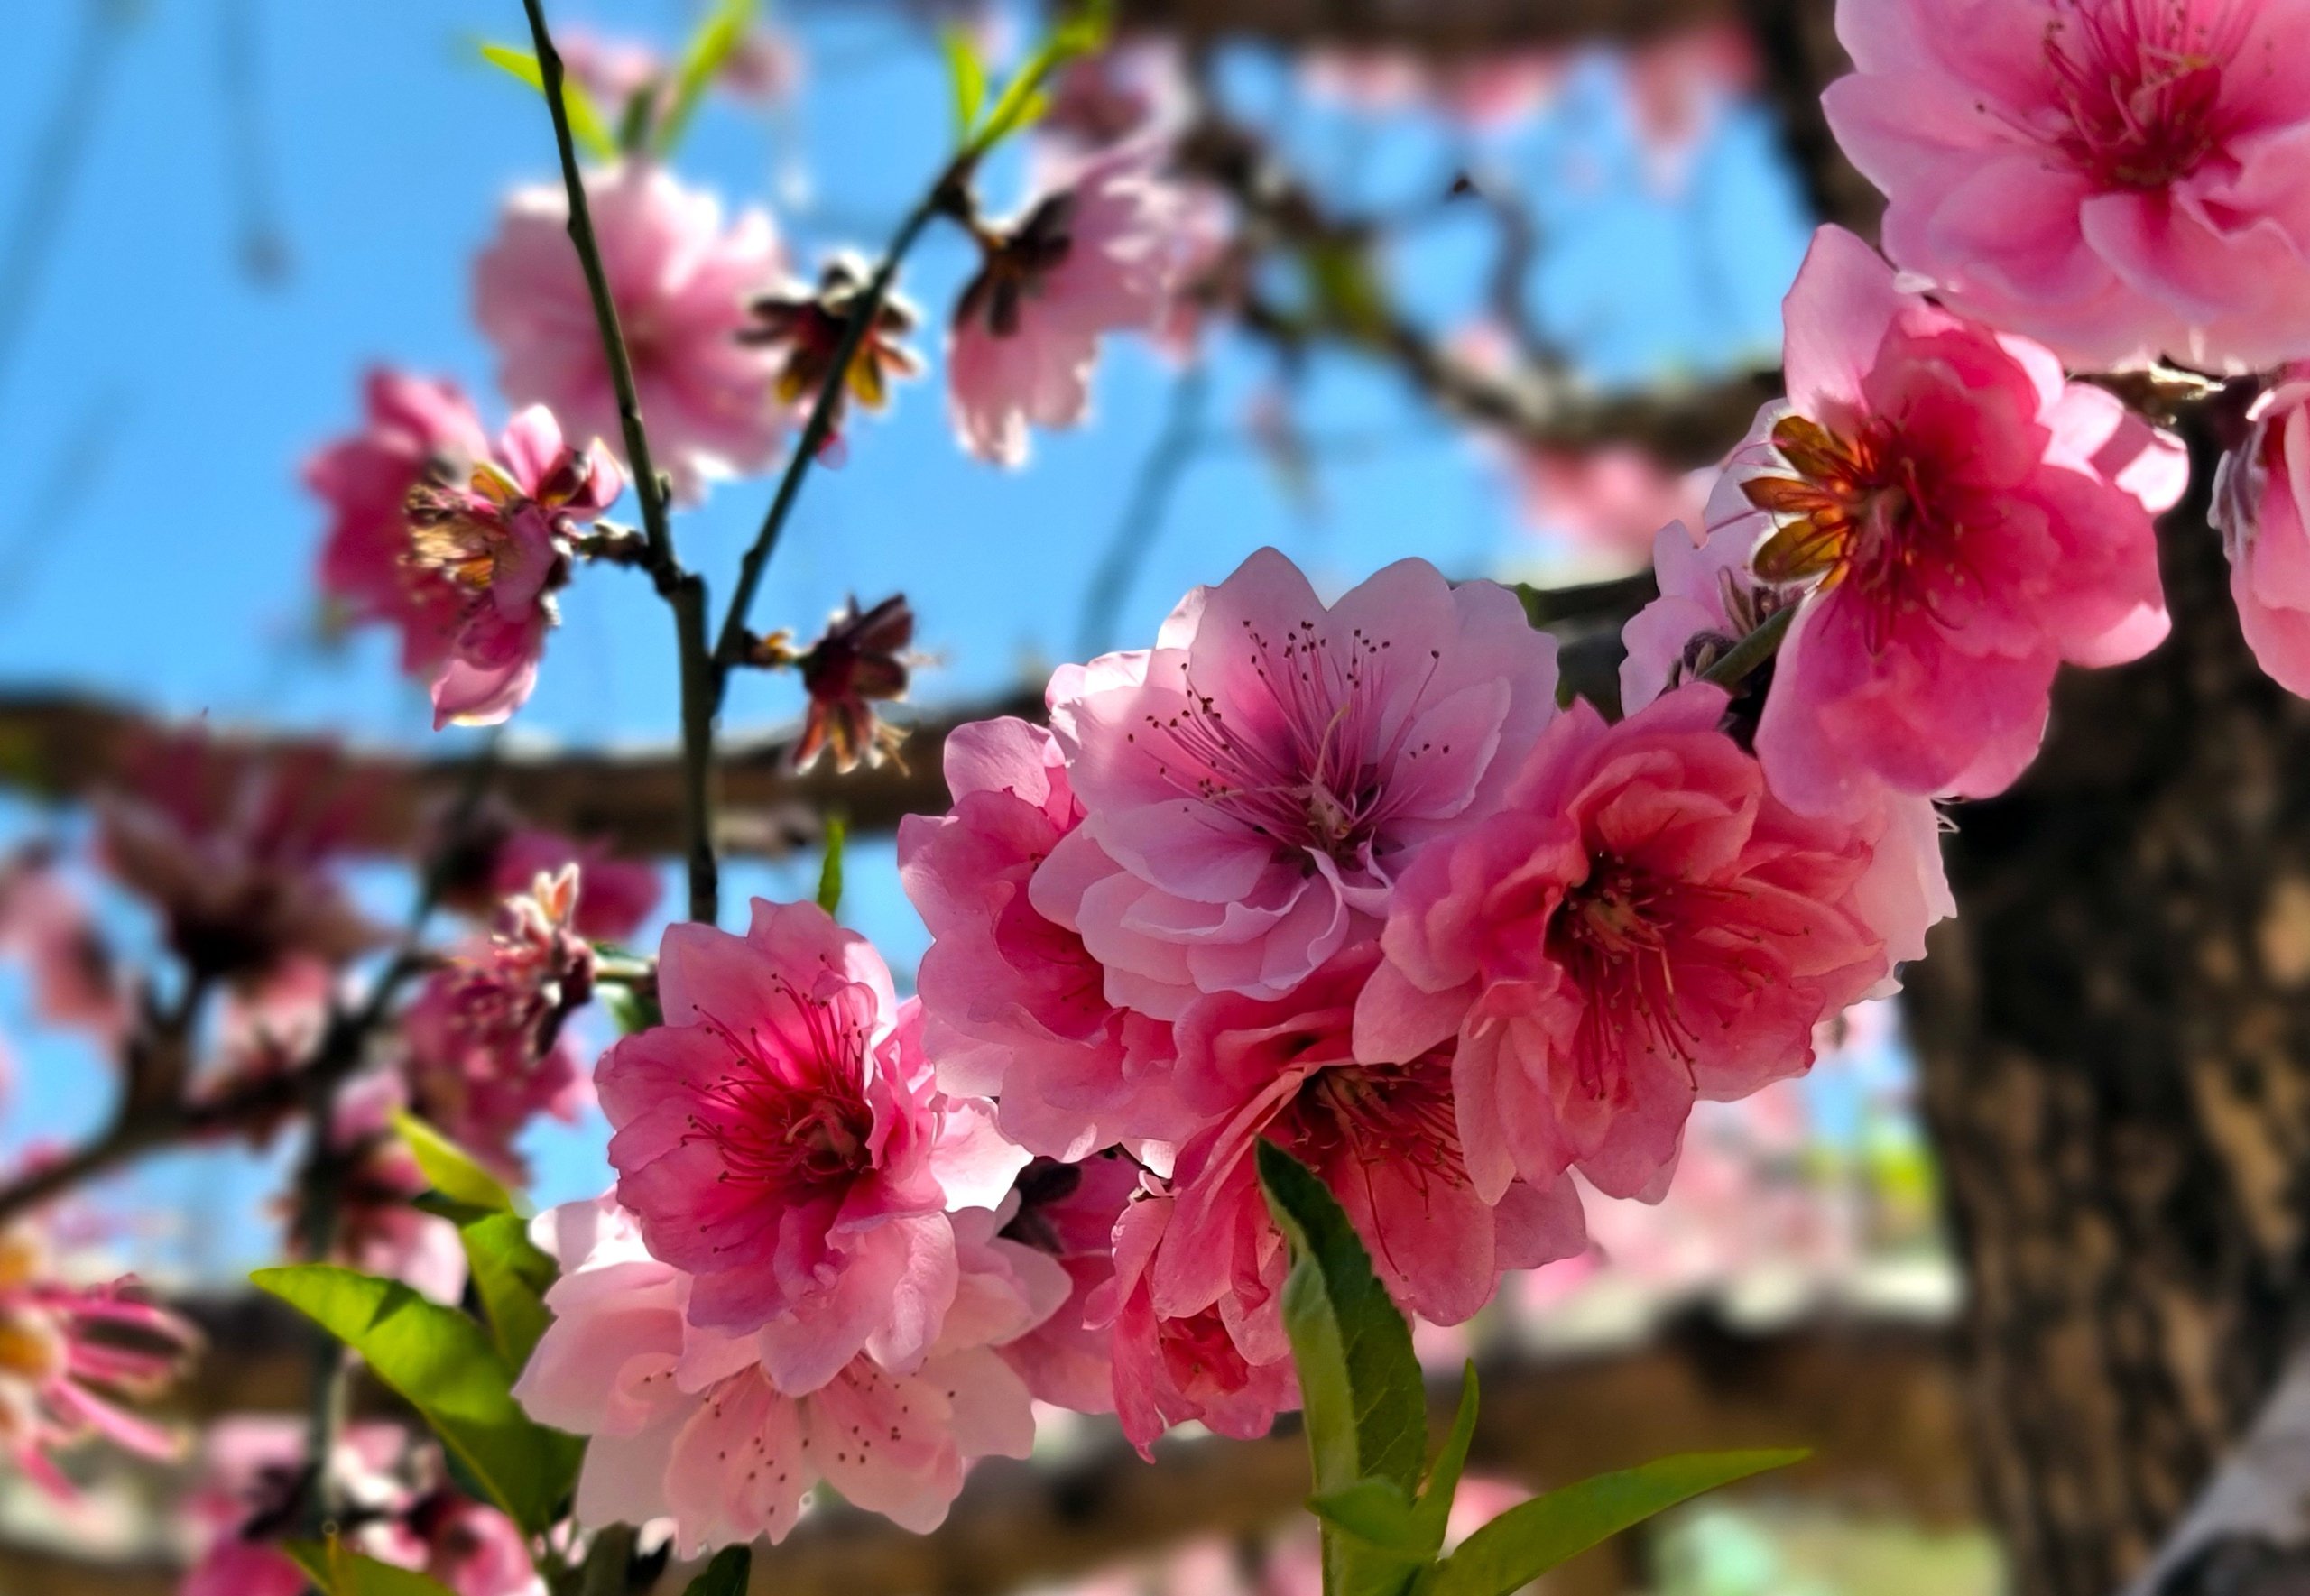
{"points": [[684, 591], [1751, 651]]}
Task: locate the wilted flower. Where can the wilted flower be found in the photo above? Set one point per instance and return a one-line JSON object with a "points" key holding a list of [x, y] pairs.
{"points": [[860, 660], [803, 328]]}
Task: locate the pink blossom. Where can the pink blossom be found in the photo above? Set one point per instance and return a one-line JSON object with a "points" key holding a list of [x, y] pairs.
{"points": [[779, 1138], [681, 280], [379, 1230], [1170, 1370], [1254, 786], [1136, 89], [612, 69], [860, 660], [1644, 924], [72, 1358], [1093, 255], [45, 923], [486, 1049], [1068, 1213], [690, 1423], [1382, 1136], [1679, 84], [1013, 1004], [1499, 90], [2119, 179], [1960, 521], [617, 896], [500, 539], [2262, 503], [416, 429], [1608, 499]]}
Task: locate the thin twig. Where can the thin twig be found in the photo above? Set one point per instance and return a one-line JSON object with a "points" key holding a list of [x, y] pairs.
{"points": [[1133, 539]]}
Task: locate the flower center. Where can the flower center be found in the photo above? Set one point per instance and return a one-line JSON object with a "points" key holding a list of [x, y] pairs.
{"points": [[791, 1127], [1612, 934], [2140, 82]]}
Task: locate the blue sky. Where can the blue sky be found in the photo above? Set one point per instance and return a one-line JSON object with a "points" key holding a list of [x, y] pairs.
{"points": [[155, 408]]}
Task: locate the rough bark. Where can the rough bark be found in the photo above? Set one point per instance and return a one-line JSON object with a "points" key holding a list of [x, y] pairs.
{"points": [[2116, 1052]]}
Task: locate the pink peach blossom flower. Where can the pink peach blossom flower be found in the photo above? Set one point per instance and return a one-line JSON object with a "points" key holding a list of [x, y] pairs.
{"points": [[1644, 924], [500, 539], [1093, 255], [616, 896], [379, 1229], [2117, 179], [689, 1424], [779, 1138], [1132, 90], [1960, 521], [1068, 1211], [1254, 788], [1608, 499], [76, 981], [681, 281], [1013, 1004], [416, 429], [2262, 503], [1382, 1136]]}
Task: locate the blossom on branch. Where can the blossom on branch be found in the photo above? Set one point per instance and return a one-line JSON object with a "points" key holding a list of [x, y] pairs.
{"points": [[2261, 504], [860, 660], [802, 329]]}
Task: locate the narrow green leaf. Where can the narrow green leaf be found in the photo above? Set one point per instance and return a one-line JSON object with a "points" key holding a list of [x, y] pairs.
{"points": [[710, 48], [726, 1574], [337, 1571], [455, 1173], [446, 1207], [1528, 1540], [586, 124], [1366, 1410], [831, 872], [967, 74], [1023, 101], [443, 1365], [631, 1010], [1435, 1506], [510, 1276], [1376, 1513]]}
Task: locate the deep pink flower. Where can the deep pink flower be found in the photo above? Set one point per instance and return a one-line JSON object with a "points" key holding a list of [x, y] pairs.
{"points": [[71, 1358], [1093, 253], [1961, 521], [689, 1424], [416, 429], [500, 539], [1644, 924], [1013, 1005], [76, 981], [681, 281], [779, 1137], [1068, 1211], [2119, 179], [1170, 1370], [1253, 788], [1383, 1138], [485, 1052], [2262, 503], [616, 896]]}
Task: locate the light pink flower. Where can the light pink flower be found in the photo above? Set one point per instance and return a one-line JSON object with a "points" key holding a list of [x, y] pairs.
{"points": [[1068, 1211], [610, 68], [1013, 1004], [616, 896], [2119, 179], [1093, 255], [1960, 519], [379, 1229], [416, 429], [689, 1424], [1254, 788], [485, 1052], [1679, 84], [1135, 90], [1644, 924], [2262, 503], [1608, 499], [1382, 1136], [500, 539], [779, 1138], [1499, 90], [1170, 1370], [44, 924], [681, 281]]}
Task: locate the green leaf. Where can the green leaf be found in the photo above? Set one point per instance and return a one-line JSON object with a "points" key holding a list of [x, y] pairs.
{"points": [[631, 1010], [443, 1207], [444, 1366], [586, 124], [1435, 1506], [1528, 1540], [1375, 1512], [726, 1574], [337, 1571], [1023, 101], [1367, 1413], [967, 74], [724, 29], [455, 1173], [831, 872], [510, 1276]]}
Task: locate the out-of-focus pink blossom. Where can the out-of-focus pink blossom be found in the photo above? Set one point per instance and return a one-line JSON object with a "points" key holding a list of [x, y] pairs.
{"points": [[1364, 79], [73, 1358], [1134, 90], [612, 69], [2262, 503], [379, 1229], [1959, 520], [1609, 499], [681, 281], [616, 896], [45, 925], [2117, 179], [1013, 1004], [1093, 254], [486, 1049], [1679, 84], [1382, 1136], [1068, 1213], [691, 1425], [471, 1548], [1501, 88], [1254, 786], [500, 539], [1644, 924], [233, 849], [416, 429]]}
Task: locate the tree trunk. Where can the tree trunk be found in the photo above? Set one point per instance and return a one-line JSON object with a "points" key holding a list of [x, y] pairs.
{"points": [[2115, 1046]]}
